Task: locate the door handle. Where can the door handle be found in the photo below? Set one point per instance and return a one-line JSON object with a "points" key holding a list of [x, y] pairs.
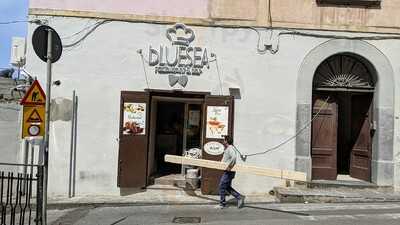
{"points": [[373, 125]]}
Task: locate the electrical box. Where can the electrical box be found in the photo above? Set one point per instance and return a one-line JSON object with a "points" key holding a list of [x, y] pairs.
{"points": [[18, 51]]}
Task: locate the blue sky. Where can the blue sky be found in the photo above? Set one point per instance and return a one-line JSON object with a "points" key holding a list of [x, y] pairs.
{"points": [[11, 10]]}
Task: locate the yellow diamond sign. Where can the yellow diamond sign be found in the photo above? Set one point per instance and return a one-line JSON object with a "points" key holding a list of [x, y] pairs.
{"points": [[33, 121]]}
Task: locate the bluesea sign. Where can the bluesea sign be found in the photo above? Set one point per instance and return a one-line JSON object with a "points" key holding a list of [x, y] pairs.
{"points": [[180, 59]]}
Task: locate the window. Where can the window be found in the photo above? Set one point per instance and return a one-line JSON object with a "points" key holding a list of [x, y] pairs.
{"points": [[367, 3]]}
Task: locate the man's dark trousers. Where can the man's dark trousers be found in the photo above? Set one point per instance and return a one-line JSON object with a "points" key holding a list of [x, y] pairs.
{"points": [[225, 187]]}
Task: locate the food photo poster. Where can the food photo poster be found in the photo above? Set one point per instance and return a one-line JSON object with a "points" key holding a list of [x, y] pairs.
{"points": [[217, 121], [134, 119]]}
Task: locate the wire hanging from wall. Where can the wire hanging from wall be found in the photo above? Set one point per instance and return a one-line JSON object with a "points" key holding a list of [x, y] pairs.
{"points": [[244, 156], [260, 49], [144, 67], [218, 72], [94, 27], [38, 22]]}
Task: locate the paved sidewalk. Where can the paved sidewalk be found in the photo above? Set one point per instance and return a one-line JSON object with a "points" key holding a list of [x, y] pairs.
{"points": [[170, 195], [335, 195], [158, 194]]}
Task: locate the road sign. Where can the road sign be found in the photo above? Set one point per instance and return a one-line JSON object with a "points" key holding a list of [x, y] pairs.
{"points": [[33, 121], [47, 45], [35, 95], [39, 42]]}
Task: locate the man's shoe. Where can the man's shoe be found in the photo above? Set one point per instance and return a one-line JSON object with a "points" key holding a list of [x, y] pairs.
{"points": [[241, 202], [219, 207]]}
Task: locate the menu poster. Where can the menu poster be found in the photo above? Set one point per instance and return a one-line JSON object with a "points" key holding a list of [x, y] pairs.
{"points": [[134, 119], [194, 117], [217, 121]]}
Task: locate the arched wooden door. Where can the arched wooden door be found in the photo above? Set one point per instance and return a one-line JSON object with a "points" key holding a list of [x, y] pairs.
{"points": [[361, 136], [324, 137], [342, 131]]}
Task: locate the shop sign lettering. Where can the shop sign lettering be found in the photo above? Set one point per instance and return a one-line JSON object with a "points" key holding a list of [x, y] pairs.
{"points": [[179, 59]]}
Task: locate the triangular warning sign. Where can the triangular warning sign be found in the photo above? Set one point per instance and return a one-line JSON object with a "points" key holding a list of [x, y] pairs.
{"points": [[34, 117], [35, 95]]}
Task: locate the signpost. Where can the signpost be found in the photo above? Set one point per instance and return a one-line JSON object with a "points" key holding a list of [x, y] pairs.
{"points": [[34, 112], [48, 47]]}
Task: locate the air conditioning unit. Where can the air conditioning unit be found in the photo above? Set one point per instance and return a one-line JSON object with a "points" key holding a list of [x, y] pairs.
{"points": [[18, 51]]}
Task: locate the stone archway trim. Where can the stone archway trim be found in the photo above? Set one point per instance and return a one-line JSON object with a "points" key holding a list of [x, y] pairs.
{"points": [[382, 168]]}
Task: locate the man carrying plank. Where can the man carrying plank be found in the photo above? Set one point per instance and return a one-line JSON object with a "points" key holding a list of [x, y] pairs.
{"points": [[225, 184], [256, 170]]}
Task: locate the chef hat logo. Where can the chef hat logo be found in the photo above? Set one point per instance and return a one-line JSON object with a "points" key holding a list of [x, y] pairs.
{"points": [[179, 39]]}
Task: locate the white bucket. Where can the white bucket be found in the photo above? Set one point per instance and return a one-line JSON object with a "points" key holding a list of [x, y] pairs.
{"points": [[192, 173]]}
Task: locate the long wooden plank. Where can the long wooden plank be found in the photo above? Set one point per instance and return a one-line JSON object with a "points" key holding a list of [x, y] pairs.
{"points": [[277, 173]]}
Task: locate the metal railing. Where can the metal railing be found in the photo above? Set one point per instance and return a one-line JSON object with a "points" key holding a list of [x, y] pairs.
{"points": [[17, 203]]}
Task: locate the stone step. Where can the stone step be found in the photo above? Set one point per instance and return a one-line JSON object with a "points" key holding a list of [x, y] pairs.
{"points": [[163, 187], [334, 195], [177, 180], [352, 184]]}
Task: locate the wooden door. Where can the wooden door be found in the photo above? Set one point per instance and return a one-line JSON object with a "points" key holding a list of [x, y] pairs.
{"points": [[133, 139], [324, 137], [361, 151], [218, 121], [344, 132]]}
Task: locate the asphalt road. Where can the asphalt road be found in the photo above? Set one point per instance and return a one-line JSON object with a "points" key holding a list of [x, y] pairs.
{"points": [[271, 214]]}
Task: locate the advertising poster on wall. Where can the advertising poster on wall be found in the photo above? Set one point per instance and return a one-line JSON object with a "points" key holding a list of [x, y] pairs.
{"points": [[194, 117], [217, 121], [134, 119]]}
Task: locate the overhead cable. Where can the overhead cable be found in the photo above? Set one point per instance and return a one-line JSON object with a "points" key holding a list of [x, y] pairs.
{"points": [[95, 26], [260, 49], [244, 156], [285, 31], [21, 21]]}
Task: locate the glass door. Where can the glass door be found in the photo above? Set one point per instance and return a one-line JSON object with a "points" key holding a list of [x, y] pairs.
{"points": [[192, 129]]}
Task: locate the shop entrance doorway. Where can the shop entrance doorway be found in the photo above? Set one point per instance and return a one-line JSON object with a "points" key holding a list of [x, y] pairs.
{"points": [[342, 126], [169, 135], [155, 123], [178, 128]]}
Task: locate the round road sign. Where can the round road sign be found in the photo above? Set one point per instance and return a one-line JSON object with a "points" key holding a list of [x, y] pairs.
{"points": [[39, 42], [34, 130]]}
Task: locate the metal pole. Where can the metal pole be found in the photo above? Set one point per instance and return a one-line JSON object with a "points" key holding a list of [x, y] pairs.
{"points": [[75, 138], [32, 157], [71, 155], [39, 193], [47, 125], [26, 155]]}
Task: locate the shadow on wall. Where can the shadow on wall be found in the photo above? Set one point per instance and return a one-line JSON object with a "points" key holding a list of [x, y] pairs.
{"points": [[61, 109]]}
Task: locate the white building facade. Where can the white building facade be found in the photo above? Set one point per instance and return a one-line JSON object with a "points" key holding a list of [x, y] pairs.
{"points": [[146, 89]]}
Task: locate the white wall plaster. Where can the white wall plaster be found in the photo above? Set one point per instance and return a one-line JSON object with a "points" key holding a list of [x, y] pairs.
{"points": [[107, 62]]}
